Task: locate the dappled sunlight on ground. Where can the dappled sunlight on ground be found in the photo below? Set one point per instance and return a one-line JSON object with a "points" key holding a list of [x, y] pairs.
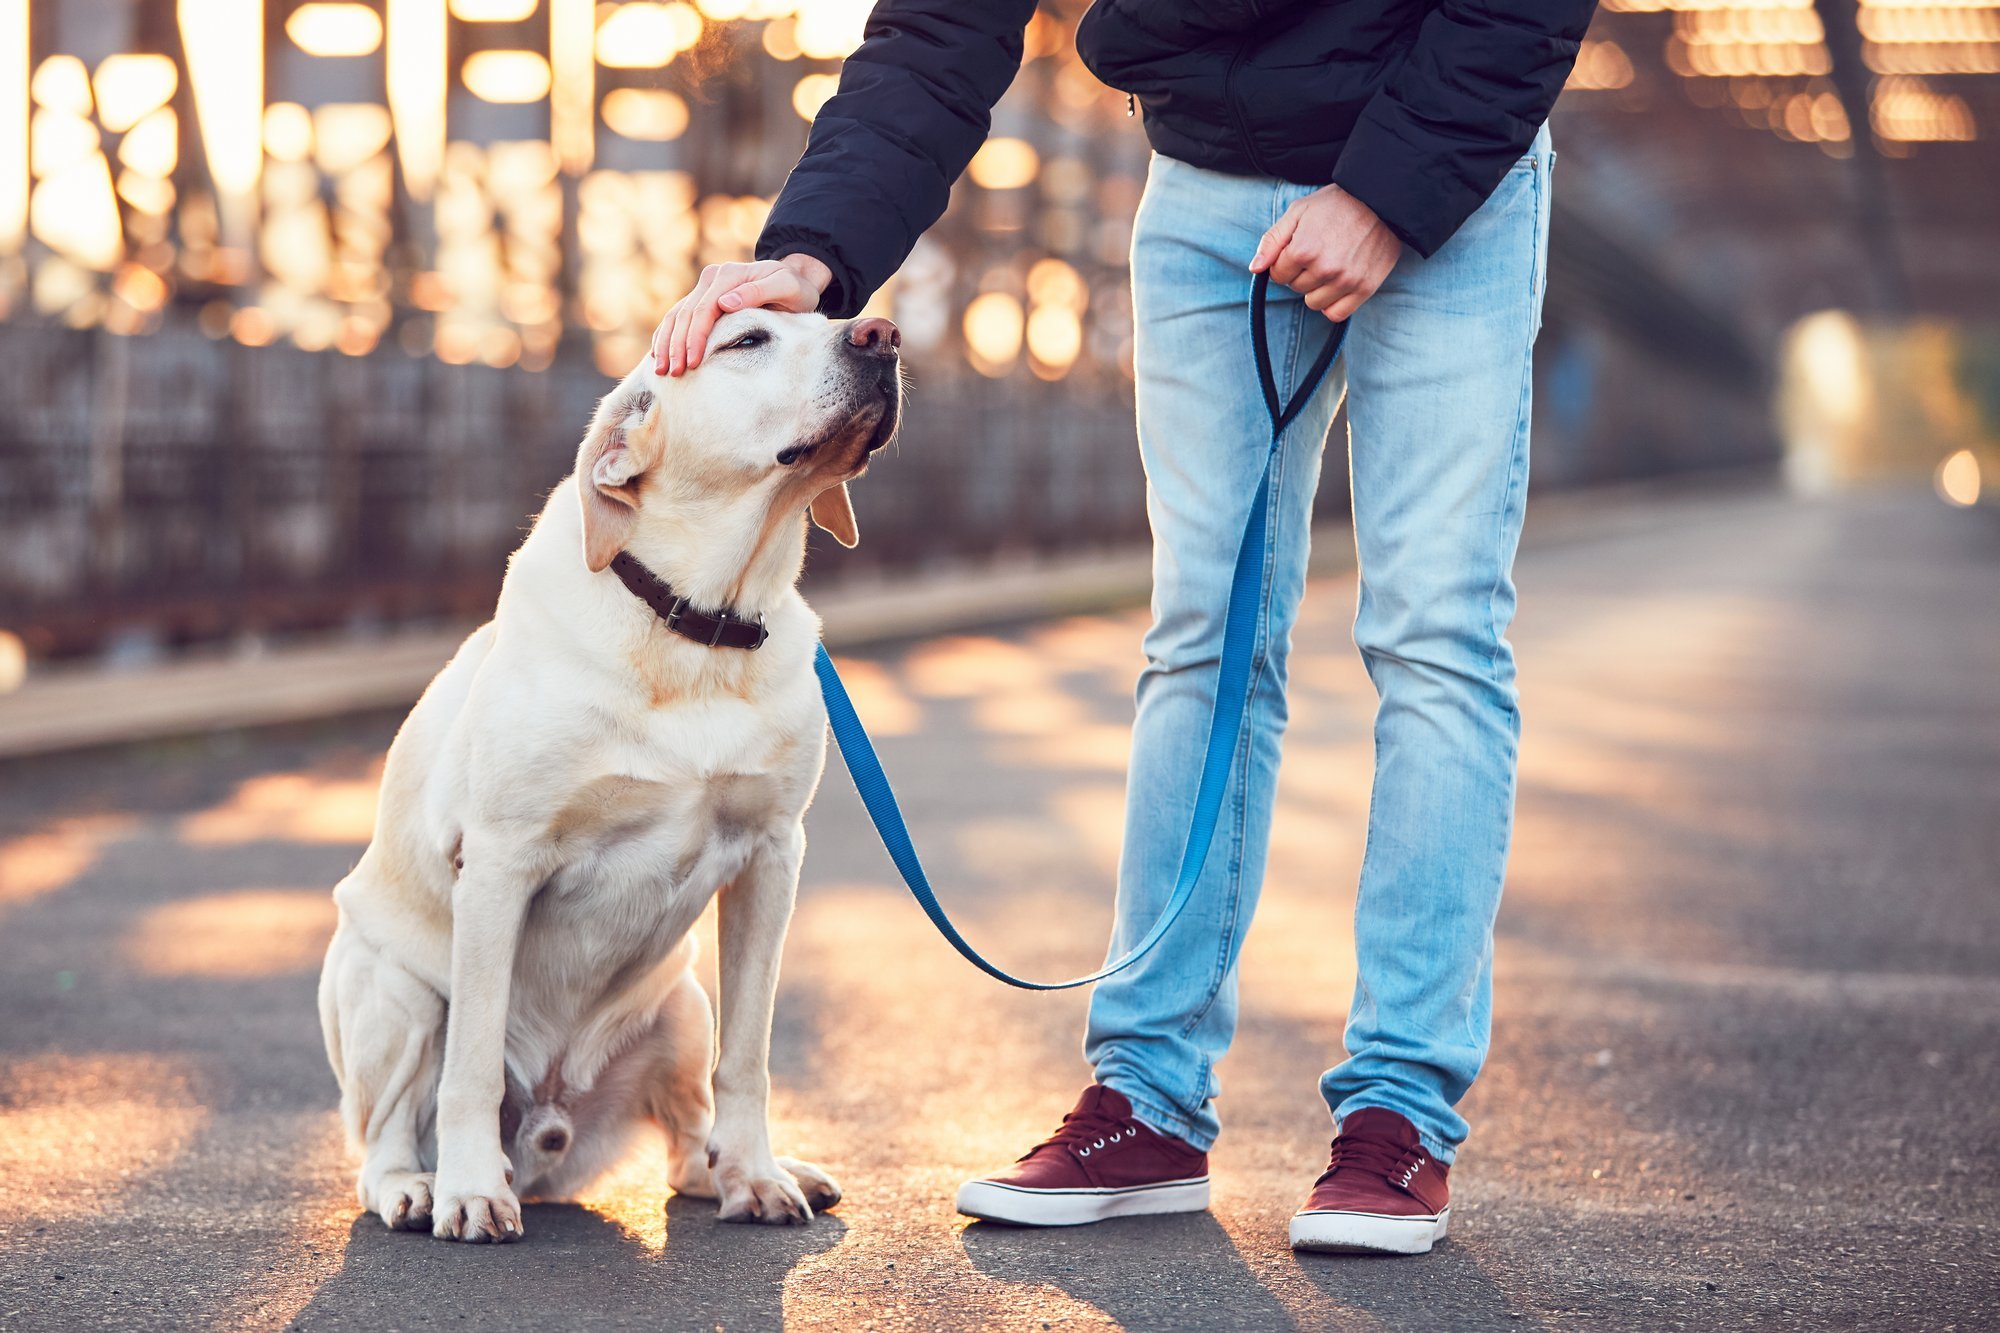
{"points": [[1106, 645], [881, 700], [633, 1194], [76, 1129], [869, 1038], [243, 933], [54, 857], [1094, 747], [973, 667], [1298, 961], [1028, 709], [314, 807]]}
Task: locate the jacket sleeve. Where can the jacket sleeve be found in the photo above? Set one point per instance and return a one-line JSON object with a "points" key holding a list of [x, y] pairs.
{"points": [[1466, 102], [915, 103]]}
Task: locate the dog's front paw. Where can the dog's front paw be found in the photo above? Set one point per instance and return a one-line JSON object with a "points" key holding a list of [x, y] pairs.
{"points": [[403, 1200], [760, 1192], [819, 1188], [475, 1214]]}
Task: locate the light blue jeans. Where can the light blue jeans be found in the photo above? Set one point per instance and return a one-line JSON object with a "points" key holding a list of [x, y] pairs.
{"points": [[1437, 365]]}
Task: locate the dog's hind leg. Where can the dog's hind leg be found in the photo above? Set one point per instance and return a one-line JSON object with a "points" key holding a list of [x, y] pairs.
{"points": [[384, 1033], [682, 1100]]}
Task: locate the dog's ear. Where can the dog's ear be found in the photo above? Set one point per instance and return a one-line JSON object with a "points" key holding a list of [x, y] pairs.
{"points": [[620, 447], [834, 511]]}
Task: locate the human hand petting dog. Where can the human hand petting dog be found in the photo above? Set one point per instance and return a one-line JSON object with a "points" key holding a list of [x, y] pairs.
{"points": [[794, 283], [1330, 248]]}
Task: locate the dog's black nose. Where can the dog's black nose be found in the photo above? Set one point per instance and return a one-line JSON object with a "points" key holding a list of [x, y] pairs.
{"points": [[875, 336]]}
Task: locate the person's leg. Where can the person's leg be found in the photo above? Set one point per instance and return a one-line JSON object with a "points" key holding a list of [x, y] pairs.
{"points": [[1438, 368], [1157, 1029]]}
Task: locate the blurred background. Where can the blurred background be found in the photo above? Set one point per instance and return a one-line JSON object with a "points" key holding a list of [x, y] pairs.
{"points": [[305, 303]]}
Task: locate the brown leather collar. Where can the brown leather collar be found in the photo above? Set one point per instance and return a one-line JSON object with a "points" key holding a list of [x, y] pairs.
{"points": [[715, 629]]}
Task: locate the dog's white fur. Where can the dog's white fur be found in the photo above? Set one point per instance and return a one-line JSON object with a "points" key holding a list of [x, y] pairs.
{"points": [[509, 998]]}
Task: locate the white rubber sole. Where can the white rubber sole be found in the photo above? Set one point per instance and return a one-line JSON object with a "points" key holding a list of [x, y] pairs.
{"points": [[1367, 1233], [992, 1202]]}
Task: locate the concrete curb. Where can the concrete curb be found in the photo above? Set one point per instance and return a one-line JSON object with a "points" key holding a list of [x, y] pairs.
{"points": [[86, 707]]}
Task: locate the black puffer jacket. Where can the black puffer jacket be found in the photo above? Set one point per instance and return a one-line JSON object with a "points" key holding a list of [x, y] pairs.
{"points": [[1416, 107]]}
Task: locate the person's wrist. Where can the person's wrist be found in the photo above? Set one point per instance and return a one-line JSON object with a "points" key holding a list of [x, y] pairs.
{"points": [[812, 272]]}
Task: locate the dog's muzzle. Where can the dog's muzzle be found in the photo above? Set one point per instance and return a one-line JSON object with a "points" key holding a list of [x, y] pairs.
{"points": [[877, 343]]}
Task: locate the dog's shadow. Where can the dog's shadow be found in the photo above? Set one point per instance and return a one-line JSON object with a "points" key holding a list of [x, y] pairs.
{"points": [[577, 1268]]}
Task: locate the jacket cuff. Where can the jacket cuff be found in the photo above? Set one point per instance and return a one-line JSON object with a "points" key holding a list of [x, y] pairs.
{"points": [[835, 301], [1414, 191]]}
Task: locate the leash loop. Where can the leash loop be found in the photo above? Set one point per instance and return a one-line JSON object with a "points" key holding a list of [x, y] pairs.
{"points": [[1234, 679]]}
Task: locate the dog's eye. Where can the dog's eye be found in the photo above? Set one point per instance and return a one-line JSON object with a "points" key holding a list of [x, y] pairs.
{"points": [[793, 454], [754, 338]]}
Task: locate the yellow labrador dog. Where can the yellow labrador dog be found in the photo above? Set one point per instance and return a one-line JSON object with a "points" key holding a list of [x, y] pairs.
{"points": [[509, 999]]}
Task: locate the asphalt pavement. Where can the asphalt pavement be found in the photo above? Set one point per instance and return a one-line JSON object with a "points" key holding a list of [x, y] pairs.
{"points": [[1747, 1053]]}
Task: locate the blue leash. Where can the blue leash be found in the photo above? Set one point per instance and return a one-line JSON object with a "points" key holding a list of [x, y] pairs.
{"points": [[1225, 727]]}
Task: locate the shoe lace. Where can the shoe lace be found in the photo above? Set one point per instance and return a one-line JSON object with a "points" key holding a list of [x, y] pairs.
{"points": [[1373, 1157], [1084, 1132]]}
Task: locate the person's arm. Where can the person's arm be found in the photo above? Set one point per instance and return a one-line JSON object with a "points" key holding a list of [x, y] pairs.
{"points": [[915, 103], [1435, 140], [1430, 146]]}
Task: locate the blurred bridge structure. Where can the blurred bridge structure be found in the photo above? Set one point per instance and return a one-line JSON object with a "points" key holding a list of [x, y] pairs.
{"points": [[303, 304]]}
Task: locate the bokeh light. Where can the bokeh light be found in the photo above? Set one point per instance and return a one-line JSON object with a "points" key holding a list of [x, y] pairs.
{"points": [[129, 87], [1004, 164], [506, 76], [812, 92], [492, 11], [993, 327], [288, 132], [323, 28], [644, 113], [1958, 479], [644, 35], [830, 29]]}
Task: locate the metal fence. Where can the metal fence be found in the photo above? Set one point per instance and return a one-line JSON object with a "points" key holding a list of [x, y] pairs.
{"points": [[184, 489]]}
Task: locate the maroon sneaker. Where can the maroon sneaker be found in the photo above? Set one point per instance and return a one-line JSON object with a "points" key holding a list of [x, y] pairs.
{"points": [[1381, 1194], [1101, 1163]]}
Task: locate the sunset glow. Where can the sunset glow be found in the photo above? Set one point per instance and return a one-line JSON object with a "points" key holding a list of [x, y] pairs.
{"points": [[572, 120], [416, 76], [13, 123], [225, 54]]}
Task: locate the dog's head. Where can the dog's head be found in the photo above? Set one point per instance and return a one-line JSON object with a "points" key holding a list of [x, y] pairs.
{"points": [[783, 412]]}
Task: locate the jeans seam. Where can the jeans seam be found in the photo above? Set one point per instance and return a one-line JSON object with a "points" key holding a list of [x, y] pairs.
{"points": [[1260, 660], [1517, 461]]}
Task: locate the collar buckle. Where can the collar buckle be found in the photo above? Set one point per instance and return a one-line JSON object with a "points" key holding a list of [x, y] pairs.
{"points": [[673, 608]]}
